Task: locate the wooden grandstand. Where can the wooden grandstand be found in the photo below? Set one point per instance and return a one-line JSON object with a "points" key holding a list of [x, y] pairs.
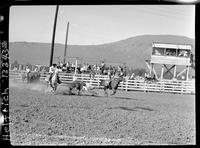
{"points": [[170, 56]]}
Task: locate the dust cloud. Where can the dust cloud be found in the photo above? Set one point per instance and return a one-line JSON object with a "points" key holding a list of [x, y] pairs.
{"points": [[39, 86]]}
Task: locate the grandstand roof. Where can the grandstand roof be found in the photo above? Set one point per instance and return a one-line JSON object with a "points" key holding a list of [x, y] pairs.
{"points": [[172, 46]]}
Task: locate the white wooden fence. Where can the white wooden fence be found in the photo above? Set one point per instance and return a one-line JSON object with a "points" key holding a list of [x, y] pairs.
{"points": [[182, 87]]}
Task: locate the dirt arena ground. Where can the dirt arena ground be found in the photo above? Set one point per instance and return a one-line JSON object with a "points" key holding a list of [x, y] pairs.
{"points": [[128, 118]]}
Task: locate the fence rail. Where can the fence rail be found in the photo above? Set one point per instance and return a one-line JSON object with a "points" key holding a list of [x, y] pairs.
{"points": [[169, 86]]}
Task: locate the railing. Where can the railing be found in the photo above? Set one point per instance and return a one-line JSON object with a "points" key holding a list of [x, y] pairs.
{"points": [[183, 87]]}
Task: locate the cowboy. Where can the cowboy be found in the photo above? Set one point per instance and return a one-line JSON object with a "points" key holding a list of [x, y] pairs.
{"points": [[57, 70], [27, 69], [111, 76], [27, 72], [51, 71], [103, 65]]}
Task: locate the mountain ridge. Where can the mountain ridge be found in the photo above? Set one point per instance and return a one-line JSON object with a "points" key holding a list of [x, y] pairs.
{"points": [[133, 51]]}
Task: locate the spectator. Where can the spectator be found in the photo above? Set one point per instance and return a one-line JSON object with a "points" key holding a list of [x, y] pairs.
{"points": [[15, 68], [132, 76], [36, 69], [27, 69], [64, 68], [51, 71], [103, 65]]}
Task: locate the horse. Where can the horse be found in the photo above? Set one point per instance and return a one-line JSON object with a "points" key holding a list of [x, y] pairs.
{"points": [[112, 85], [31, 77], [77, 85]]}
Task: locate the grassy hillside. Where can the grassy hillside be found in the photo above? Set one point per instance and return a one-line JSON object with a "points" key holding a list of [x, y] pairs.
{"points": [[134, 51]]}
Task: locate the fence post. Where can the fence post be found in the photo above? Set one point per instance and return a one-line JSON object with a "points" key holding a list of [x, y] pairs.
{"points": [[182, 85], [90, 81], [98, 81], [145, 86], [19, 67], [82, 77], [126, 84]]}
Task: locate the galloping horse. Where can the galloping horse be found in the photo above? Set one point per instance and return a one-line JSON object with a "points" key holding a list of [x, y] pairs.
{"points": [[77, 85], [112, 85]]}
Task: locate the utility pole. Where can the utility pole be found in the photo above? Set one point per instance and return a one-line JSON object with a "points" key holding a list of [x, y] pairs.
{"points": [[53, 37], [66, 43]]}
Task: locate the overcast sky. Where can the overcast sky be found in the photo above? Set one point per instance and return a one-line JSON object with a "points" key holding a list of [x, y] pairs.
{"points": [[99, 24]]}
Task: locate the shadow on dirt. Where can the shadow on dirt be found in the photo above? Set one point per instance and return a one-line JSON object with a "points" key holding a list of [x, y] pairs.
{"points": [[75, 94], [144, 108], [91, 95], [126, 98], [123, 108], [132, 109]]}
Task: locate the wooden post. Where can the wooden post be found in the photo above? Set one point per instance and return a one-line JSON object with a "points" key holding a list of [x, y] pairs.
{"points": [[126, 84], [82, 76], [187, 73], [90, 81], [175, 71], [74, 78], [75, 67], [162, 71], [20, 67], [66, 43], [98, 81], [53, 36], [151, 68]]}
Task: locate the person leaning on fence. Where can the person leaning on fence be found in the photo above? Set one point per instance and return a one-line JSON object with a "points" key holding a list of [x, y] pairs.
{"points": [[51, 71]]}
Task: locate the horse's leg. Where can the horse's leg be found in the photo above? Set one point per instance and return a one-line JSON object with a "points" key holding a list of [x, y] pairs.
{"points": [[94, 93], [70, 91], [52, 89], [78, 93], [106, 93], [55, 87], [114, 91]]}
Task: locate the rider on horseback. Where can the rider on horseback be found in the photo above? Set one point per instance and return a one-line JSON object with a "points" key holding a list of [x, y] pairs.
{"points": [[57, 70], [113, 75], [51, 71]]}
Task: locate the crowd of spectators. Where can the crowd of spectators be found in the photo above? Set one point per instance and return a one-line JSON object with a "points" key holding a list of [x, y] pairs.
{"points": [[85, 68]]}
